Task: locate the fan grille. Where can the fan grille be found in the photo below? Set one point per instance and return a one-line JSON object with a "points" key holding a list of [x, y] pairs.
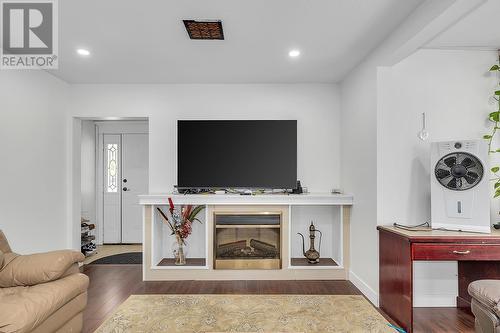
{"points": [[459, 171]]}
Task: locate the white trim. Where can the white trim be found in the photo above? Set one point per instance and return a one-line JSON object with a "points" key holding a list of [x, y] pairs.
{"points": [[371, 294], [316, 267], [123, 127], [97, 160], [435, 301], [289, 227], [144, 242], [236, 199], [99, 195], [341, 216], [155, 267], [208, 228], [153, 242]]}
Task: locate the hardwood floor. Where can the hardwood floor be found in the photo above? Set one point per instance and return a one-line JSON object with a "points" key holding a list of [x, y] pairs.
{"points": [[109, 250], [443, 320], [111, 285]]}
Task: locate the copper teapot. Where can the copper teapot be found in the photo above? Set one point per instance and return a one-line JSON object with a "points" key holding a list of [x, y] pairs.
{"points": [[312, 255]]}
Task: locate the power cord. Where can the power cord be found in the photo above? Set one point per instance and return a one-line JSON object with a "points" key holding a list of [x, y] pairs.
{"points": [[426, 226]]}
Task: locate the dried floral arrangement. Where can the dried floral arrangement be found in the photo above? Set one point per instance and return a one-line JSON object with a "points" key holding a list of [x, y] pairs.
{"points": [[181, 220]]}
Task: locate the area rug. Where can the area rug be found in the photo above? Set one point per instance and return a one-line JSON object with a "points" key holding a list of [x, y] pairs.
{"points": [[120, 259], [245, 313]]}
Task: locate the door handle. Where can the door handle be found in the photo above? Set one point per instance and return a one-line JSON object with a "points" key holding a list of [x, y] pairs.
{"points": [[126, 189], [461, 252]]}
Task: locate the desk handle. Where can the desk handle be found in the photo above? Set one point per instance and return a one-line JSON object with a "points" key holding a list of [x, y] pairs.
{"points": [[461, 252]]}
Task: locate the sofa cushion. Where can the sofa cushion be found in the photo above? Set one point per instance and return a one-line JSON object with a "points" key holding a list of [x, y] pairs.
{"points": [[486, 292], [59, 319], [24, 308], [7, 258], [4, 245], [1, 259], [29, 270]]}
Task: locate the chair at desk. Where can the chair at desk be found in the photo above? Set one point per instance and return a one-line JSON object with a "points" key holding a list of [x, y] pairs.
{"points": [[486, 305]]}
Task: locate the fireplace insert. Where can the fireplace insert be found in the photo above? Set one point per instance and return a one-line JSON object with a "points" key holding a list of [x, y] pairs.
{"points": [[247, 241]]}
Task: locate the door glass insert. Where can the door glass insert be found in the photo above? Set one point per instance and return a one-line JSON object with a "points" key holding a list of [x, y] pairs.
{"points": [[112, 167]]}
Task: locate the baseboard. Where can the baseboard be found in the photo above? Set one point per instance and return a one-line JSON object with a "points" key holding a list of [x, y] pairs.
{"points": [[371, 294], [434, 301], [463, 303]]}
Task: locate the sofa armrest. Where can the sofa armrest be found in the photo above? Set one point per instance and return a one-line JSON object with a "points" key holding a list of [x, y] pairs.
{"points": [[29, 270], [73, 269]]}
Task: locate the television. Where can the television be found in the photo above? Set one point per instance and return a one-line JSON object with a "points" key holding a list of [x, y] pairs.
{"points": [[243, 154]]}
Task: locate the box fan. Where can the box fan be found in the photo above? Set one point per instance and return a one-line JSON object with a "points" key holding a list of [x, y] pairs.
{"points": [[460, 193]]}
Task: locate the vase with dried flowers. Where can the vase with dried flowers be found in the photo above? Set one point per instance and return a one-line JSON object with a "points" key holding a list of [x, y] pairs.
{"points": [[180, 221]]}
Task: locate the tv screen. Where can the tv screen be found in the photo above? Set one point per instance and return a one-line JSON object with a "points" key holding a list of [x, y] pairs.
{"points": [[237, 154]]}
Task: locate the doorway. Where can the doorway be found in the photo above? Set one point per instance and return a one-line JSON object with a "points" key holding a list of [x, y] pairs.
{"points": [[122, 172]]}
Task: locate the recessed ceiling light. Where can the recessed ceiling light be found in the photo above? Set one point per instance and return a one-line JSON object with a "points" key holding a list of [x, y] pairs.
{"points": [[83, 52], [294, 53]]}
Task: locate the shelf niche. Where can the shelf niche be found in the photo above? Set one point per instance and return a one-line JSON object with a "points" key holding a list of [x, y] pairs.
{"points": [[327, 219], [163, 242]]}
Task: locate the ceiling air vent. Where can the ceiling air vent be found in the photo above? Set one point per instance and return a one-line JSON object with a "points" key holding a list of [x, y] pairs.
{"points": [[204, 29]]}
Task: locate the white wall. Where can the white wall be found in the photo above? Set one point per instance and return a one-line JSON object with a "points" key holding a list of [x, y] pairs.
{"points": [[41, 136], [88, 170], [315, 106], [360, 143], [454, 89], [359, 174], [33, 150]]}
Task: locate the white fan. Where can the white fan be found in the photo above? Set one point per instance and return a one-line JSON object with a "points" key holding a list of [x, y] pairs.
{"points": [[460, 194]]}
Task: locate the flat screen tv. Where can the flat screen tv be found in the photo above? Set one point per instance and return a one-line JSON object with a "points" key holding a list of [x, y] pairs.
{"points": [[237, 154]]}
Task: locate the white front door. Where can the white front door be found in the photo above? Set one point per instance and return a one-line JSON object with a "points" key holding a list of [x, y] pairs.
{"points": [[134, 182], [125, 176]]}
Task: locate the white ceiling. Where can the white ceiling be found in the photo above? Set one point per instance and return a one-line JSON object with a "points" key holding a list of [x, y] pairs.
{"points": [[478, 30], [145, 41]]}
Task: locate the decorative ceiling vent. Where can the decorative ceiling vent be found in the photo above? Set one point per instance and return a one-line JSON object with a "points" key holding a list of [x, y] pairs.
{"points": [[204, 29]]}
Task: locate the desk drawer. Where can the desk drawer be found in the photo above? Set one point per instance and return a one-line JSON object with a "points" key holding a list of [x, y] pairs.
{"points": [[422, 251]]}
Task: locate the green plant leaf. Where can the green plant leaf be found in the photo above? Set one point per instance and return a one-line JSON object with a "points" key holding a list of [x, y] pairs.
{"points": [[494, 68], [497, 92], [195, 212], [495, 116], [495, 169], [497, 184], [486, 137], [497, 194]]}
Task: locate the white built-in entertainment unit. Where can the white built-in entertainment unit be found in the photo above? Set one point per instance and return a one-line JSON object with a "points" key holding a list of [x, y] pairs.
{"points": [[329, 212]]}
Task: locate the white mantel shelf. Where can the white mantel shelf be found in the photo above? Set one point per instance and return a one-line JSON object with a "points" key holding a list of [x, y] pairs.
{"points": [[260, 199]]}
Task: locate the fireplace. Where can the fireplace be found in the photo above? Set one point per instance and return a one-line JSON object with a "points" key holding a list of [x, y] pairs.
{"points": [[247, 240]]}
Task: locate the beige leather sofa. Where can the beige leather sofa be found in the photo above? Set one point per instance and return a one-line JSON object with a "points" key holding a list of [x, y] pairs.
{"points": [[42, 292], [486, 305]]}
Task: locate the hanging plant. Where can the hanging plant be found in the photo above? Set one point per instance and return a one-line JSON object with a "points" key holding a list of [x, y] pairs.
{"points": [[494, 118]]}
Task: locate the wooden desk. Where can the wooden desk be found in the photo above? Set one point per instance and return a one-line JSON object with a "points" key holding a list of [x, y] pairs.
{"points": [[478, 257]]}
